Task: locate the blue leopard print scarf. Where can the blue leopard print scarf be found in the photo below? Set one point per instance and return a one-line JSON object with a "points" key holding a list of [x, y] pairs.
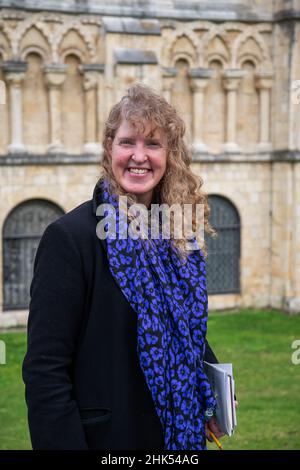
{"points": [[170, 299]]}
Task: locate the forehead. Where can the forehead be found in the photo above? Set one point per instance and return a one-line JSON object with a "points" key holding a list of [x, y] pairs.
{"points": [[146, 129]]}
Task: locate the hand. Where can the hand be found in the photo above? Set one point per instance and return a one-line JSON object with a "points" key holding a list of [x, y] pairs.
{"points": [[213, 426]]}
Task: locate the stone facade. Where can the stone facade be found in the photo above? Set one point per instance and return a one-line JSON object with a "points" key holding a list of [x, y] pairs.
{"points": [[230, 67]]}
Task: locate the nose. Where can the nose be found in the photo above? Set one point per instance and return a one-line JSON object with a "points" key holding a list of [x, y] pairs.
{"points": [[139, 154]]}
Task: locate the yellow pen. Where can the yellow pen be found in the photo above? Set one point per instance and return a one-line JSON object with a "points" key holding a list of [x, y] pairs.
{"points": [[216, 440]]}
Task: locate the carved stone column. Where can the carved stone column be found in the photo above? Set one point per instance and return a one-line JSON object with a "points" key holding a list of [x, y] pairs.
{"points": [[91, 86], [55, 76], [15, 73], [168, 77], [231, 81], [2, 91], [199, 79], [264, 82]]}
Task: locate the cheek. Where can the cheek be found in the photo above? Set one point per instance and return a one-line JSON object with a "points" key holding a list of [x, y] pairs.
{"points": [[159, 162], [119, 160]]}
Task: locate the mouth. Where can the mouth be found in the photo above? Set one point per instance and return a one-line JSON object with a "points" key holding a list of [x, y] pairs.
{"points": [[138, 172]]}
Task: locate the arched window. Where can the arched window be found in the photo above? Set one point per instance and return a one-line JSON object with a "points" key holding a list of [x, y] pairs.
{"points": [[223, 260], [22, 232]]}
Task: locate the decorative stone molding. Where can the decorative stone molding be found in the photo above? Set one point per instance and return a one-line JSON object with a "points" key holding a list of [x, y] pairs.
{"points": [[246, 32], [199, 79], [55, 75], [24, 26], [214, 31], [231, 82], [264, 83], [249, 57], [72, 51], [168, 57], [251, 32], [15, 74], [62, 30], [35, 49], [183, 56]]}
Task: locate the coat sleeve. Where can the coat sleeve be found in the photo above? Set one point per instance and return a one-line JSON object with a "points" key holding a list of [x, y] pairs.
{"points": [[209, 355], [57, 294]]}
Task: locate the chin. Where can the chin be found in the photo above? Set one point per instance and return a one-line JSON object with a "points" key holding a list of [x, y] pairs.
{"points": [[137, 188]]}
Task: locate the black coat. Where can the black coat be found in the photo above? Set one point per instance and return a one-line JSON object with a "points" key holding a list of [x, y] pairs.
{"points": [[84, 385]]}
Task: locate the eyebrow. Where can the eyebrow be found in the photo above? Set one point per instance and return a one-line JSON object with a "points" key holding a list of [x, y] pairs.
{"points": [[148, 139]]}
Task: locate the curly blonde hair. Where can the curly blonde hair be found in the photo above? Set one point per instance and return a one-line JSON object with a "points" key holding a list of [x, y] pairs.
{"points": [[179, 185]]}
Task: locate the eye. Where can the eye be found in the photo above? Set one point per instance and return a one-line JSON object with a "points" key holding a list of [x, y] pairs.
{"points": [[126, 142], [153, 144]]}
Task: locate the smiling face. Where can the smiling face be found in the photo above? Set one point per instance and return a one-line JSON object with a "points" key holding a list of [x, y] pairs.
{"points": [[138, 160]]}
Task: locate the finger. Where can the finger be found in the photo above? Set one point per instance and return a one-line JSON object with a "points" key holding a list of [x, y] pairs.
{"points": [[207, 434], [214, 427]]}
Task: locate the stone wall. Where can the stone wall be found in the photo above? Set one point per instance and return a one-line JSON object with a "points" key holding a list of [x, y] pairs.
{"points": [[232, 78]]}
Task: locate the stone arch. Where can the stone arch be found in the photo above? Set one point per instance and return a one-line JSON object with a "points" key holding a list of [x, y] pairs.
{"points": [[207, 38], [39, 43], [176, 36], [216, 57], [217, 47], [180, 56], [72, 51], [250, 33], [33, 21], [249, 58], [36, 50], [63, 30], [183, 47], [237, 200]]}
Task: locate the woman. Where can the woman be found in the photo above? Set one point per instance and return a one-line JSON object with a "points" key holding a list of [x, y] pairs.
{"points": [[116, 328]]}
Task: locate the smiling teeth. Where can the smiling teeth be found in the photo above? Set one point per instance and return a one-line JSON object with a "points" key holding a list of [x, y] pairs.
{"points": [[137, 170]]}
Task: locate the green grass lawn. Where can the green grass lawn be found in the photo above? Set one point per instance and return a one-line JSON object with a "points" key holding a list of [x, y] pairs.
{"points": [[258, 343]]}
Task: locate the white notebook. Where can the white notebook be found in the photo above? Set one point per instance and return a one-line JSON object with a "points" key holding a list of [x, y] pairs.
{"points": [[221, 379]]}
